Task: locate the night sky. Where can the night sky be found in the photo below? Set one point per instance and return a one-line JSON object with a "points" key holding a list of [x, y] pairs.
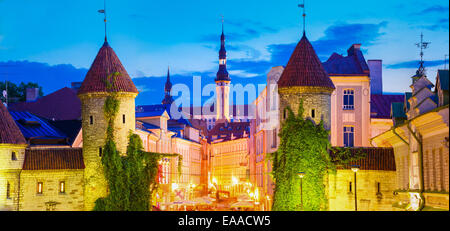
{"points": [[37, 36]]}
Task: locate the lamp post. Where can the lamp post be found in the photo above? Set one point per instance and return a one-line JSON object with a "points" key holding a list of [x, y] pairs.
{"points": [[355, 169], [301, 175]]}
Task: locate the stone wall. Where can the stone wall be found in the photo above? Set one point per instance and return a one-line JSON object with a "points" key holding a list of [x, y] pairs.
{"points": [[313, 98], [368, 198], [9, 174], [51, 198], [94, 136]]}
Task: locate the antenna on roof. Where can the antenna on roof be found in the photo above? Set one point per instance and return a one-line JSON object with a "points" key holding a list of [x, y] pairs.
{"points": [[103, 11], [304, 16], [422, 45]]}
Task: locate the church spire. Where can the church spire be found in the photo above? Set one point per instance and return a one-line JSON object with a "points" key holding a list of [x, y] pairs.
{"points": [[421, 71], [167, 88], [222, 74]]}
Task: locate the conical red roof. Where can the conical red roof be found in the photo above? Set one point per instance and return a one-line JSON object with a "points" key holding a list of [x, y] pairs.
{"points": [[304, 68], [9, 131], [105, 64]]}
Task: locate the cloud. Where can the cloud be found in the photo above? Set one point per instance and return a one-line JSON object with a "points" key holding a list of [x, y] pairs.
{"points": [[338, 38], [248, 29], [441, 24], [414, 64], [434, 9]]}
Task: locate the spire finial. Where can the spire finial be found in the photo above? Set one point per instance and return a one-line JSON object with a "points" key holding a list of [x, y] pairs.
{"points": [[103, 11], [422, 45], [222, 22], [304, 17]]}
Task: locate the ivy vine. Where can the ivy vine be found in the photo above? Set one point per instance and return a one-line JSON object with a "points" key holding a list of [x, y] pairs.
{"points": [[132, 179], [303, 148]]}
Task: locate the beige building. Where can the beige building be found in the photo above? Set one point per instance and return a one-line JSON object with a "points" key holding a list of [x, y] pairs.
{"points": [[419, 138]]}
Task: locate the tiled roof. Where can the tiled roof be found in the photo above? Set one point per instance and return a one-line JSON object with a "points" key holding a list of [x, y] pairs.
{"points": [[245, 110], [69, 127], [380, 105], [353, 64], [304, 68], [53, 159], [224, 130], [398, 110], [62, 104], [375, 159], [9, 131], [443, 79], [35, 128], [105, 64]]}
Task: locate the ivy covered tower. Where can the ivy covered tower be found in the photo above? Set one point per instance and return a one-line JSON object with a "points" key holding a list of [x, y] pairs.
{"points": [[12, 155], [222, 83], [106, 76], [305, 78]]}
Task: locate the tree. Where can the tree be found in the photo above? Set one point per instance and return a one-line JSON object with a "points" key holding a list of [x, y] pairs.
{"points": [[131, 178], [303, 148], [18, 93]]}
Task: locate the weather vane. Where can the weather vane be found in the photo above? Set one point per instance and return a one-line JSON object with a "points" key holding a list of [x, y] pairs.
{"points": [[422, 45], [304, 15], [103, 11]]}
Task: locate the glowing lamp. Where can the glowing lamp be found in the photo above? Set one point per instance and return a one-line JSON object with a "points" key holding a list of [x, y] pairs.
{"points": [[301, 174], [355, 168]]}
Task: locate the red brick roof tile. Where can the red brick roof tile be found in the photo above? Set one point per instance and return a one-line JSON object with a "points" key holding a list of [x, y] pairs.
{"points": [[53, 159], [105, 64], [9, 131], [375, 159], [62, 104], [304, 68]]}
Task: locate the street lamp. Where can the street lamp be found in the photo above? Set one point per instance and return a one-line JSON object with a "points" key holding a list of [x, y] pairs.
{"points": [[355, 169], [301, 175]]}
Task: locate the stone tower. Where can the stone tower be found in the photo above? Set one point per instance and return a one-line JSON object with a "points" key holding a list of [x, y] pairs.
{"points": [[93, 93], [222, 84], [12, 155], [305, 78]]}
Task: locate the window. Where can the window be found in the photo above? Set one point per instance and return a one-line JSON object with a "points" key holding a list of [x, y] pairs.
{"points": [[348, 136], [349, 95], [13, 156], [350, 187], [123, 118], [313, 113], [100, 151], [378, 187], [8, 190], [62, 187], [91, 120], [39, 188]]}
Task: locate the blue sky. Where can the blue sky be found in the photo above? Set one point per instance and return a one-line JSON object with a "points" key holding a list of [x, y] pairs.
{"points": [[150, 35]]}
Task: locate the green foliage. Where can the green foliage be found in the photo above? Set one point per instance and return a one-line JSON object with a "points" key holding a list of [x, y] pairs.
{"points": [[303, 148], [18, 93], [132, 178], [342, 157]]}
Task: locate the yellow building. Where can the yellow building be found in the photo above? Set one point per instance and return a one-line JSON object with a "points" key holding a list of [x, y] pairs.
{"points": [[419, 138]]}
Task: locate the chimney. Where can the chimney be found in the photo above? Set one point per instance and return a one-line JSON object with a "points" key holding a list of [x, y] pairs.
{"points": [[353, 48], [32, 94], [376, 76]]}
